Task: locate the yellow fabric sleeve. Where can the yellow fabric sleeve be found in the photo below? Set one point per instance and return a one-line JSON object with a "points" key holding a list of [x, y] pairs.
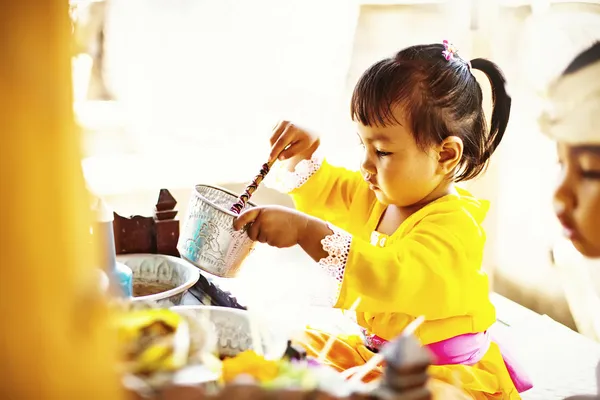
{"points": [[328, 193], [433, 271]]}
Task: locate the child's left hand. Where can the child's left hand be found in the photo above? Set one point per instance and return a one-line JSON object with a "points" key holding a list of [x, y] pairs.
{"points": [[274, 225]]}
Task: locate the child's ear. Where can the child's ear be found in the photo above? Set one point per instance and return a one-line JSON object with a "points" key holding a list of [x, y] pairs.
{"points": [[449, 154]]}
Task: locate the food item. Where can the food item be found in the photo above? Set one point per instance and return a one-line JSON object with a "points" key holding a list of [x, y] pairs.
{"points": [[249, 364], [161, 345], [294, 352], [141, 288], [250, 392], [153, 340], [152, 337], [284, 374]]}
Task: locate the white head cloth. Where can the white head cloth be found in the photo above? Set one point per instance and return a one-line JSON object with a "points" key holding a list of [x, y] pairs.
{"points": [[572, 111]]}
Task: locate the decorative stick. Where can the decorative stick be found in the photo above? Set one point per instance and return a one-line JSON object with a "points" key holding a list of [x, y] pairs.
{"points": [[373, 362], [329, 344], [244, 197]]}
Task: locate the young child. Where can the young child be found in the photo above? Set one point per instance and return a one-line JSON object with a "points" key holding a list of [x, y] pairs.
{"points": [[572, 119], [398, 238]]}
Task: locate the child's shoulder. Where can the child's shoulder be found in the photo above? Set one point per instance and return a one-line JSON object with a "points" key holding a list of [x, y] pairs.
{"points": [[459, 212], [461, 205]]}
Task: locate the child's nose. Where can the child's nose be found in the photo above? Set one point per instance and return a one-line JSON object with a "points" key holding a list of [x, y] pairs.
{"points": [[564, 198], [367, 166]]}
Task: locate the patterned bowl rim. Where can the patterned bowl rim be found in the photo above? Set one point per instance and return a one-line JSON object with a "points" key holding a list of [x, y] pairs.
{"points": [[216, 206], [204, 307], [191, 281], [263, 329]]}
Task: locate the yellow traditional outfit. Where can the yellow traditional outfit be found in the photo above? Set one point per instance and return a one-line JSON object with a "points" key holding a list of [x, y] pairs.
{"points": [[430, 266]]}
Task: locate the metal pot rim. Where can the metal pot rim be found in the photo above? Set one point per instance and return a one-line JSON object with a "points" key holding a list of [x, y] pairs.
{"points": [[171, 260], [216, 206]]}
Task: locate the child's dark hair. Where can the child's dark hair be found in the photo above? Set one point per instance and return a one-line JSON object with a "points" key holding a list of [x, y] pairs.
{"points": [[439, 98], [586, 58]]}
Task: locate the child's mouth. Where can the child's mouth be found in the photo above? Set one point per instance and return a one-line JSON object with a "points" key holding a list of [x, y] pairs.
{"points": [[569, 230]]}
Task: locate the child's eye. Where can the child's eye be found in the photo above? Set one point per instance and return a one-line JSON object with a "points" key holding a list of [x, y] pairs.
{"points": [[382, 153], [594, 175]]}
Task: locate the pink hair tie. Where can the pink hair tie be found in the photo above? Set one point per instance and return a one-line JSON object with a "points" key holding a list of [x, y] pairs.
{"points": [[450, 51]]}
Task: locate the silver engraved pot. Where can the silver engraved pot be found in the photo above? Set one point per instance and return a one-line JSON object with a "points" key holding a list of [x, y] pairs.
{"points": [[207, 239]]}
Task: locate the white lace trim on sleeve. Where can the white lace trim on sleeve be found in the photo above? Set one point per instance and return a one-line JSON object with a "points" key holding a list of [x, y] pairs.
{"points": [[338, 246], [285, 181]]}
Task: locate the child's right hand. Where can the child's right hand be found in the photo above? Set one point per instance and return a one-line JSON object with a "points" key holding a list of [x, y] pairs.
{"points": [[290, 141]]}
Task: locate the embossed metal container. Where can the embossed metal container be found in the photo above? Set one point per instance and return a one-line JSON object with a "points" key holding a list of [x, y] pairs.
{"points": [[207, 239]]}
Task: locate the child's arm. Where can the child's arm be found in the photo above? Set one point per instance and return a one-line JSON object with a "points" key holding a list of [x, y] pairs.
{"points": [[317, 187], [433, 271]]}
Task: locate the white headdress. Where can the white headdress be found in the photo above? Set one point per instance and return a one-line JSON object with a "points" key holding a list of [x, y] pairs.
{"points": [[572, 110]]}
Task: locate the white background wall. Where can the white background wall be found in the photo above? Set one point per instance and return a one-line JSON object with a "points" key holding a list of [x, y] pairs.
{"points": [[200, 83], [217, 74]]}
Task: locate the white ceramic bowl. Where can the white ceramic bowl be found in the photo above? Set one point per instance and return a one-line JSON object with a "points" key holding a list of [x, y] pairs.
{"points": [[233, 331], [158, 268]]}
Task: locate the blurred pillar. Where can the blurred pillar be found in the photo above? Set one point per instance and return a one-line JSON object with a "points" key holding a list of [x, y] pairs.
{"points": [[54, 342]]}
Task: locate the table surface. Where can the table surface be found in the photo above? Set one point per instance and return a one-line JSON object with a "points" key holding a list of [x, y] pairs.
{"points": [[560, 361]]}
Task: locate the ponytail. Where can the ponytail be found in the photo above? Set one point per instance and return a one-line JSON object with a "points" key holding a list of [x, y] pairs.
{"points": [[501, 103]]}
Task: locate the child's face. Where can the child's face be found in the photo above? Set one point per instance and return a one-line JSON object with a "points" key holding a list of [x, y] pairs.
{"points": [[398, 170], [577, 197]]}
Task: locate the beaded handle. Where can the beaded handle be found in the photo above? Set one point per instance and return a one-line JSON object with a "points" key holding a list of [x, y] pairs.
{"points": [[244, 197]]}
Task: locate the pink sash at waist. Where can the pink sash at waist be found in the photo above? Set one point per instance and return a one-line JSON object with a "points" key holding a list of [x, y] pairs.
{"points": [[468, 349]]}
